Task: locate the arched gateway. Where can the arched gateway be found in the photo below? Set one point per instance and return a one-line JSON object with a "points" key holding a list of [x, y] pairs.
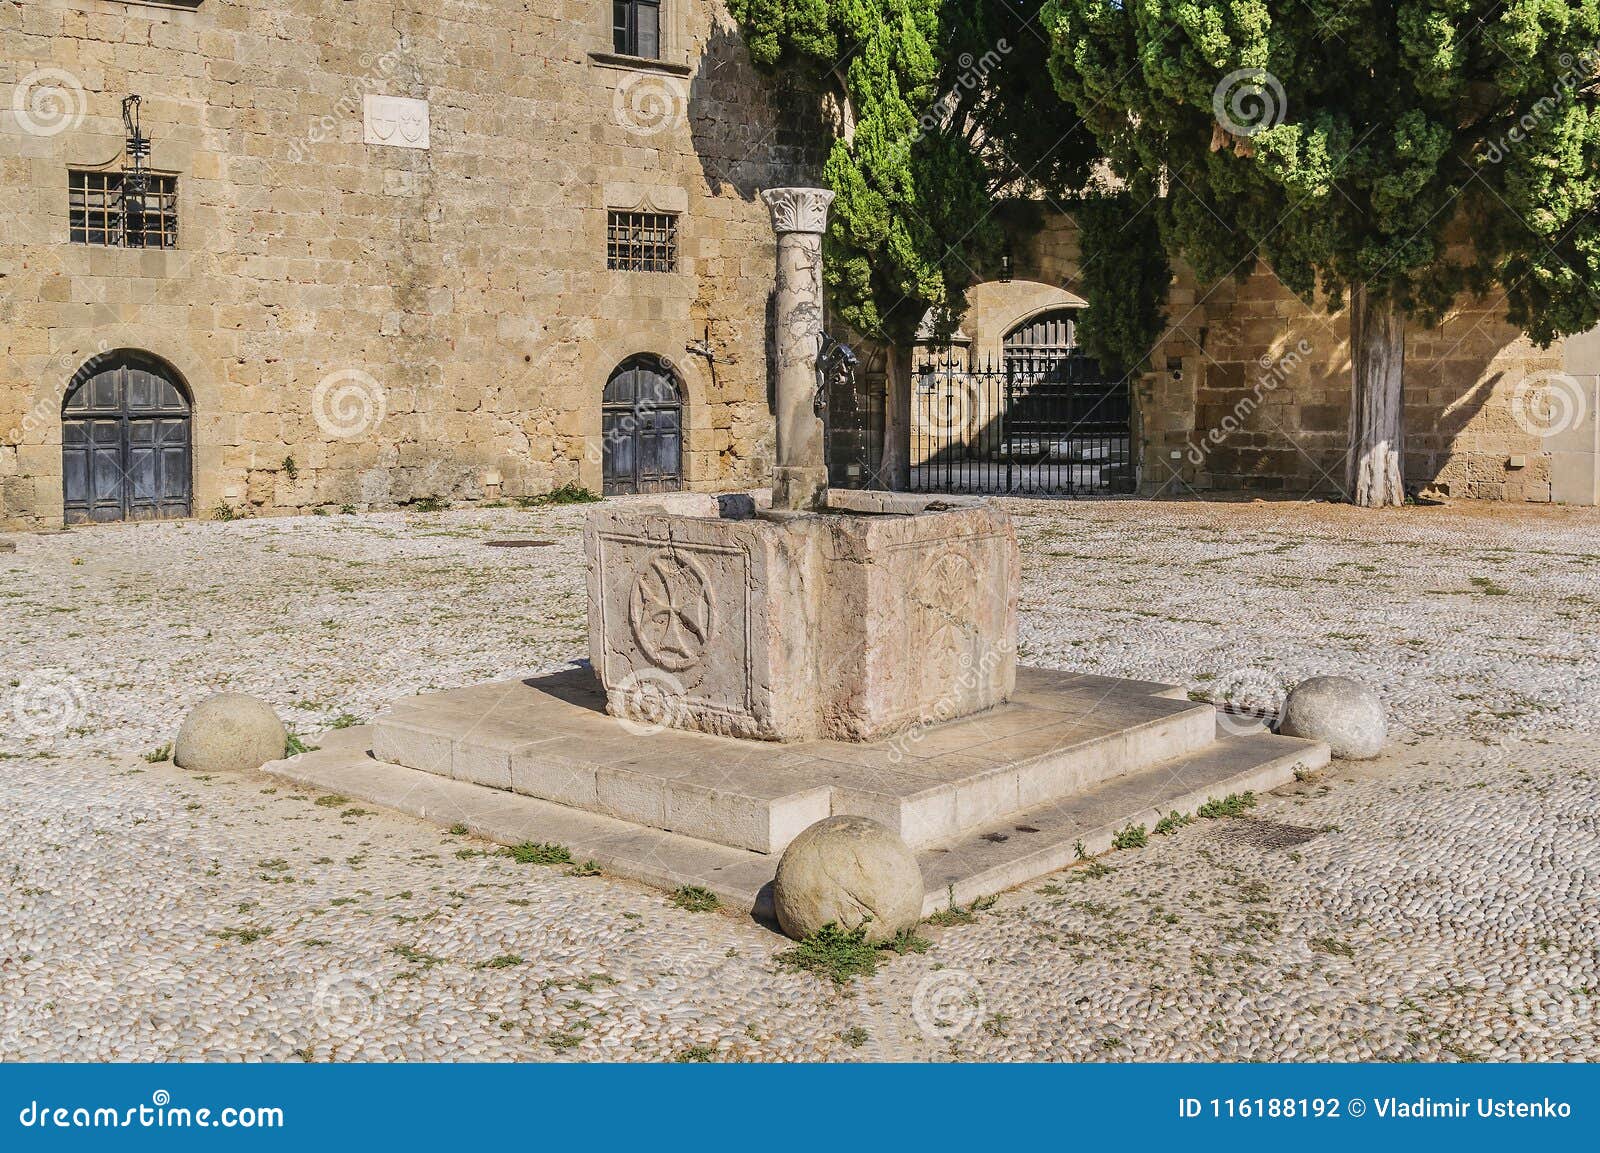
{"points": [[126, 441], [641, 422]]}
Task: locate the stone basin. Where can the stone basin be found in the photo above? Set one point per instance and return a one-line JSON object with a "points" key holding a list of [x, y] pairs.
{"points": [[879, 611]]}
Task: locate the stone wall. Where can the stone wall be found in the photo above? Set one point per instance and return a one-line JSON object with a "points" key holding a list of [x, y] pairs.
{"points": [[460, 290], [1281, 371], [1249, 389]]}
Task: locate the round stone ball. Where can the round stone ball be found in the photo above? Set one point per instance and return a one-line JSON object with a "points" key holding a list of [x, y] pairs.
{"points": [[229, 732], [1343, 712], [852, 871]]}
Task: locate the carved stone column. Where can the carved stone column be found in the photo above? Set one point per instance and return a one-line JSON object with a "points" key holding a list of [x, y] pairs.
{"points": [[800, 474]]}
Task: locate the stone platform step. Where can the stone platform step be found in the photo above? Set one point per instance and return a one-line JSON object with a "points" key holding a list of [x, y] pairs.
{"points": [[549, 738], [1004, 854], [1049, 837]]}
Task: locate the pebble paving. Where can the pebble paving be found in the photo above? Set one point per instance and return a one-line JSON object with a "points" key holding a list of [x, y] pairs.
{"points": [[1437, 904]]}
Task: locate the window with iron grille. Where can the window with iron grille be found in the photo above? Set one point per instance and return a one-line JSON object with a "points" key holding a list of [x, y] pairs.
{"points": [[105, 208], [642, 241], [636, 28]]}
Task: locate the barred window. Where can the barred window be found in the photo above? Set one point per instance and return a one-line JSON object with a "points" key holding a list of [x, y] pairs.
{"points": [[636, 28], [105, 209], [642, 241]]}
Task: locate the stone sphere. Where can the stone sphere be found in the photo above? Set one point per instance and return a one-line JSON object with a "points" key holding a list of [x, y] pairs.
{"points": [[849, 870], [1343, 712], [229, 732]]}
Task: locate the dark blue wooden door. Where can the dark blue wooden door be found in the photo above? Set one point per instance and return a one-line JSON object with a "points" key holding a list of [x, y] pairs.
{"points": [[641, 425], [126, 443]]}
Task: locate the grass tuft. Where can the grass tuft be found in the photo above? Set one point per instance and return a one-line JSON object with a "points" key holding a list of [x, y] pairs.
{"points": [[243, 936], [696, 898], [1232, 805], [547, 853], [1131, 837], [1172, 822], [837, 954], [561, 494], [293, 746], [907, 941], [1331, 945], [504, 961]]}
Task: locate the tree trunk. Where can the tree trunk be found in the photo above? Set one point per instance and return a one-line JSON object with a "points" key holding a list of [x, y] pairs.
{"points": [[894, 470], [1377, 366]]}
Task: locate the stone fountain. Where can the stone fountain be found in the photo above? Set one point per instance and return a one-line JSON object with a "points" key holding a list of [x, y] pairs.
{"points": [[756, 669], [838, 615]]}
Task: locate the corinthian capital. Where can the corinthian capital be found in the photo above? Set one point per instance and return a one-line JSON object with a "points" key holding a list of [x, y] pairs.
{"points": [[798, 209]]}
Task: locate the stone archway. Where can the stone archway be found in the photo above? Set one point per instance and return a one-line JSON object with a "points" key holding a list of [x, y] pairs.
{"points": [[641, 428], [127, 441]]}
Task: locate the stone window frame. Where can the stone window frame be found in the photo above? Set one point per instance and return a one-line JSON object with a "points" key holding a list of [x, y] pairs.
{"points": [[660, 199], [630, 31], [673, 38], [643, 240], [164, 191]]}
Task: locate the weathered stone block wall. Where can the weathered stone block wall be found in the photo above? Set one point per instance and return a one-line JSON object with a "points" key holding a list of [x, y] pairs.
{"points": [[1278, 373], [459, 290], [1249, 390]]}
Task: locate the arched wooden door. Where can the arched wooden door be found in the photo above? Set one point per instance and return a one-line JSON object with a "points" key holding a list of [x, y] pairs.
{"points": [[126, 441], [641, 422]]}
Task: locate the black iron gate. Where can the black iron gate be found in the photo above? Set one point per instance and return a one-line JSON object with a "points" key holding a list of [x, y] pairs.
{"points": [[1043, 422], [125, 442]]}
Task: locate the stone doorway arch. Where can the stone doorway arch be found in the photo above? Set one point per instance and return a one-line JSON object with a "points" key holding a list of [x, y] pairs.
{"points": [[127, 441], [641, 425]]}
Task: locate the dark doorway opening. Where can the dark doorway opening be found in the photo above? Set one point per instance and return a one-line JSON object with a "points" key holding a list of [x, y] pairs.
{"points": [[127, 441], [641, 423], [1048, 419]]}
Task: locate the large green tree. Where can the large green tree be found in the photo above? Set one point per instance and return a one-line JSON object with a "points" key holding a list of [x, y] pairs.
{"points": [[944, 104], [1389, 153]]}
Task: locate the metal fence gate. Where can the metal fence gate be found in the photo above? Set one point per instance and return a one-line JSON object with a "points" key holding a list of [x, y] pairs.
{"points": [[1033, 425]]}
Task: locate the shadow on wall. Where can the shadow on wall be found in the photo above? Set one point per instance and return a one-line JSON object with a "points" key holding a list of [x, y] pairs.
{"points": [[1272, 405], [734, 150]]}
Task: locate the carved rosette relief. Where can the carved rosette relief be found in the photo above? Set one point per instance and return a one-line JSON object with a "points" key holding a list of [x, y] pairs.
{"points": [[670, 611]]}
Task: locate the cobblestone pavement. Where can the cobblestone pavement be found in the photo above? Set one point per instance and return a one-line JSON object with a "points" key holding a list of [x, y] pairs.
{"points": [[1437, 904]]}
